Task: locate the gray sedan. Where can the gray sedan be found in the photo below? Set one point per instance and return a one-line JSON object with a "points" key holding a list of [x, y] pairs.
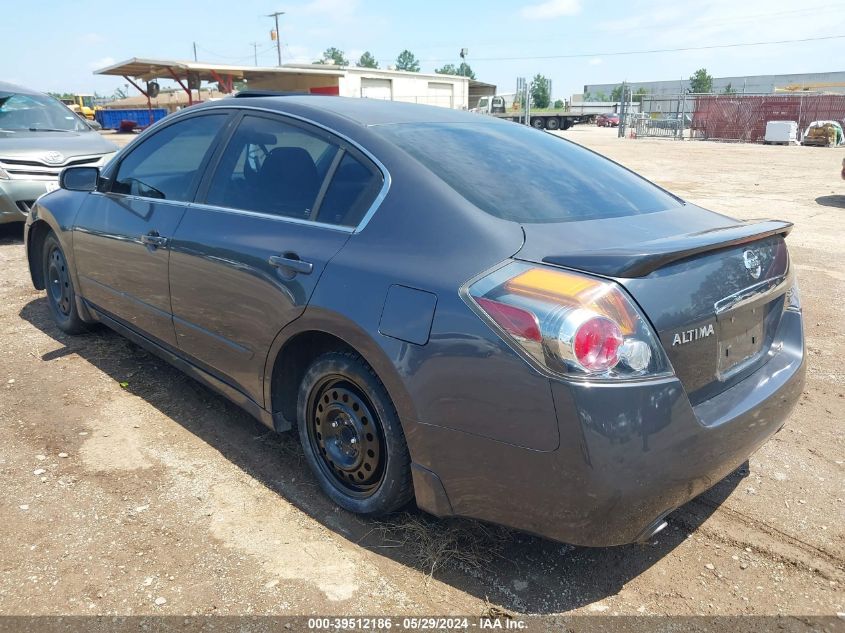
{"points": [[467, 313], [39, 136]]}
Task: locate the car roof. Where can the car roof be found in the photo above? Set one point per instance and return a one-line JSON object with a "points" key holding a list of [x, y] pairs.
{"points": [[7, 87], [366, 112]]}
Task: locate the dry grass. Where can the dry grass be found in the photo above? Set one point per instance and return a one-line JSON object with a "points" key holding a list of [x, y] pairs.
{"points": [[432, 544]]}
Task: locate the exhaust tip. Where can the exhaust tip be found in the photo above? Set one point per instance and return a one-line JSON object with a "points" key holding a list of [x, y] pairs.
{"points": [[652, 531]]}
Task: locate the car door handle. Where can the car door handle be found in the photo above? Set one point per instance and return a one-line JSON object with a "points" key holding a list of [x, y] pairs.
{"points": [[154, 240], [291, 262]]}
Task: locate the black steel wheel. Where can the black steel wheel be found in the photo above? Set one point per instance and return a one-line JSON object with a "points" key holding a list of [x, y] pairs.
{"points": [[538, 123], [61, 297], [553, 123], [352, 437], [346, 435], [58, 281]]}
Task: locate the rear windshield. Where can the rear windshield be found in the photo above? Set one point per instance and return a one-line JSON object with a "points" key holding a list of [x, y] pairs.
{"points": [[516, 173]]}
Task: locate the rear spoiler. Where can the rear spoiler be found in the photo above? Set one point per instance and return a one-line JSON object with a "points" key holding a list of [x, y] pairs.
{"points": [[646, 257]]}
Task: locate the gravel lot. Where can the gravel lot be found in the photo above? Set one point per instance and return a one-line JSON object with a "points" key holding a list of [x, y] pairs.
{"points": [[130, 489]]}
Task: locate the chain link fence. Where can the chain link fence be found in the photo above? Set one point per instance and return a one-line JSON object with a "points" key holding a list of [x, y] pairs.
{"points": [[729, 117]]}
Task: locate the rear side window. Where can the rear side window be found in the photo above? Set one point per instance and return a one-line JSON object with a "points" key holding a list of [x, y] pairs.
{"points": [[166, 165], [272, 167], [519, 174], [351, 192]]}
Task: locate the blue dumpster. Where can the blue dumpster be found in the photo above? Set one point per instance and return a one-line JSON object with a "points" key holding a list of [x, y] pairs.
{"points": [[110, 119]]}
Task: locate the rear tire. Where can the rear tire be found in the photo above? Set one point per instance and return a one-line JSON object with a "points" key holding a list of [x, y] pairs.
{"points": [[537, 123], [61, 296], [351, 436], [553, 124]]}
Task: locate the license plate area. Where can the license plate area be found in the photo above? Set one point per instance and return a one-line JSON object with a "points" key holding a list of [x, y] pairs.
{"points": [[742, 336]]}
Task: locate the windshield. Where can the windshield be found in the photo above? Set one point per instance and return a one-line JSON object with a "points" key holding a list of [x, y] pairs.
{"points": [[516, 173], [33, 112]]}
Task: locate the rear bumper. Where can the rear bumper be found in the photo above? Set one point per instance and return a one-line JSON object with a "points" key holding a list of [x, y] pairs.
{"points": [[628, 455], [17, 196]]}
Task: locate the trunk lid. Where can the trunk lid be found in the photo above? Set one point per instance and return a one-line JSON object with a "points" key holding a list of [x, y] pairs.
{"points": [[712, 287]]}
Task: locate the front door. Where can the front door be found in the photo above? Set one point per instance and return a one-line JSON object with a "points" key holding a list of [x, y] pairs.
{"points": [[282, 201], [122, 235]]}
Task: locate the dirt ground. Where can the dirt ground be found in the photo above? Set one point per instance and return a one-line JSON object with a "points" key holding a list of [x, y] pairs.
{"points": [[130, 489]]}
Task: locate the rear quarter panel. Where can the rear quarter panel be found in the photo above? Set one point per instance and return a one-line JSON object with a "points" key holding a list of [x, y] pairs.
{"points": [[426, 237]]}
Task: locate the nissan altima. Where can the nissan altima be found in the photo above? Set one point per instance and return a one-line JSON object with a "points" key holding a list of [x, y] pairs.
{"points": [[483, 318]]}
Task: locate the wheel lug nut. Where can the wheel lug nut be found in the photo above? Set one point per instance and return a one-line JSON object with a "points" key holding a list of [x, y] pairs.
{"points": [[353, 441], [334, 424]]}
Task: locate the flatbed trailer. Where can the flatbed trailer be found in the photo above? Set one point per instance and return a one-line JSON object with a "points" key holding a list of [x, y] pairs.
{"points": [[552, 120]]}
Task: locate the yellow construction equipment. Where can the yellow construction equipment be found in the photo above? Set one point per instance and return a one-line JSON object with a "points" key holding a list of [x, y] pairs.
{"points": [[81, 104], [811, 87]]}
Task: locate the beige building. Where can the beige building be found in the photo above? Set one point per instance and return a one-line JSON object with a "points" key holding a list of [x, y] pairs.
{"points": [[448, 91]]}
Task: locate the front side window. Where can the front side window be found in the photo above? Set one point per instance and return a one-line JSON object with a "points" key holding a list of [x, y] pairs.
{"points": [[272, 167], [167, 165]]}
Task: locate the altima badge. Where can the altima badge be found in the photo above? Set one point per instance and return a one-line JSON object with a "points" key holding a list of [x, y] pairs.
{"points": [[752, 263], [688, 336]]}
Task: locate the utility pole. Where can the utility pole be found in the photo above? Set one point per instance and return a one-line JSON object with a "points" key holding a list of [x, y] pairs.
{"points": [[255, 51], [195, 51], [275, 16]]}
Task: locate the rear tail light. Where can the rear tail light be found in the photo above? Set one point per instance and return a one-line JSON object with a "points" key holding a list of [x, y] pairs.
{"points": [[571, 323]]}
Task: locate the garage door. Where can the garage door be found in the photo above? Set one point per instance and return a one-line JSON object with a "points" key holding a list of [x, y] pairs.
{"points": [[440, 94], [376, 88]]}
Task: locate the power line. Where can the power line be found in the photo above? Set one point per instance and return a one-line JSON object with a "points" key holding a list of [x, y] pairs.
{"points": [[700, 22], [258, 51], [643, 51]]}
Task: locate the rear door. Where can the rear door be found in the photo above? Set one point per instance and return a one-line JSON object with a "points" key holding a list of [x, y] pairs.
{"points": [[123, 234], [281, 200]]}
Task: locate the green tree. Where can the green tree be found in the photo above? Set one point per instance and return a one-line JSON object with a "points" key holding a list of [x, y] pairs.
{"points": [[463, 70], [701, 82], [407, 61], [729, 90], [637, 97], [367, 61], [540, 97], [334, 55], [616, 94], [559, 104], [600, 96]]}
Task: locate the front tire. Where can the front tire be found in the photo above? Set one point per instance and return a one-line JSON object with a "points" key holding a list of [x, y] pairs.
{"points": [[61, 296], [351, 436]]}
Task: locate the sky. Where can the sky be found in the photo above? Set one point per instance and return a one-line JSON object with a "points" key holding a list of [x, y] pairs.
{"points": [[54, 45]]}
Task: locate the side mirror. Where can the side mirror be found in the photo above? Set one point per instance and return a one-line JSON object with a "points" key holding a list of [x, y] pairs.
{"points": [[79, 178]]}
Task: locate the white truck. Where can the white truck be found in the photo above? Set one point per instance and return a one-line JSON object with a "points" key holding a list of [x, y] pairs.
{"points": [[503, 107]]}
